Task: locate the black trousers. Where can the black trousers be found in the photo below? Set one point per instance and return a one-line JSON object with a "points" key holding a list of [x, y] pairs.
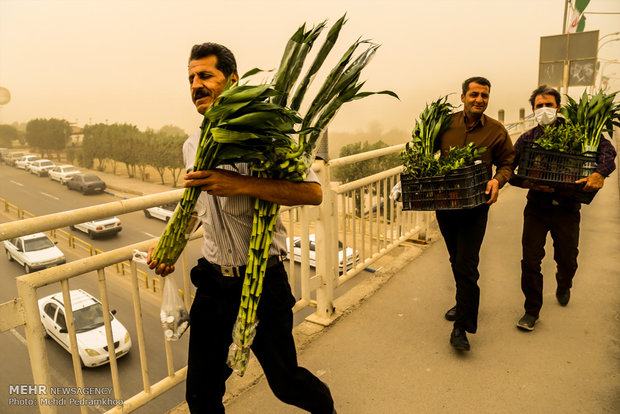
{"points": [[463, 232], [212, 317], [563, 223]]}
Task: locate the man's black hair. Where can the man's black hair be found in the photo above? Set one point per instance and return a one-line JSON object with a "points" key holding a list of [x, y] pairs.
{"points": [[226, 62], [477, 79], [545, 90]]}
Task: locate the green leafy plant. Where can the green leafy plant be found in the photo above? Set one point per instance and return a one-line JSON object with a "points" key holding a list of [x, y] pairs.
{"points": [[565, 137], [596, 115], [421, 156]]}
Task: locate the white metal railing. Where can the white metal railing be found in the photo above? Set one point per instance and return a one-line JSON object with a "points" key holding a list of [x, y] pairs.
{"points": [[358, 214]]}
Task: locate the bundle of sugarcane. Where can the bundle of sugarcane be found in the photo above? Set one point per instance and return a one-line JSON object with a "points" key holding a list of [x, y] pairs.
{"points": [[341, 85], [594, 116], [253, 124]]}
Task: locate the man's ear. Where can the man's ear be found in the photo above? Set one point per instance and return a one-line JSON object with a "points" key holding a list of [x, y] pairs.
{"points": [[463, 97], [234, 78]]}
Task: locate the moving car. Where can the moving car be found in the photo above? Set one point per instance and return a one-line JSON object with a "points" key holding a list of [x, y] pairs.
{"points": [[297, 252], [86, 183], [162, 212], [34, 252], [40, 167], [99, 227], [23, 162], [89, 327], [63, 173]]}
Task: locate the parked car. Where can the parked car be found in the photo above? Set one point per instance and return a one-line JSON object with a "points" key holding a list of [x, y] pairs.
{"points": [[63, 173], [99, 227], [41, 167], [23, 162], [4, 153], [86, 183], [312, 245], [13, 157], [162, 212], [89, 327], [34, 252]]}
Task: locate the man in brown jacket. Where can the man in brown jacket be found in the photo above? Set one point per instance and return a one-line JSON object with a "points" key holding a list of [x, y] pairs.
{"points": [[463, 230]]}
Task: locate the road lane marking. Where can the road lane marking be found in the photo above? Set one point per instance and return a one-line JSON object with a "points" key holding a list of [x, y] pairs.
{"points": [[16, 183], [149, 234], [19, 337], [49, 195]]}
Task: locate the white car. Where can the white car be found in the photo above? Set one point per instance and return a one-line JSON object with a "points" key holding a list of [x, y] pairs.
{"points": [[63, 173], [34, 252], [25, 161], [312, 256], [89, 327], [40, 167], [163, 213], [99, 227]]}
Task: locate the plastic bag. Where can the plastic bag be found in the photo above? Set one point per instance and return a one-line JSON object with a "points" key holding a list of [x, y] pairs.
{"points": [[174, 315], [396, 192]]}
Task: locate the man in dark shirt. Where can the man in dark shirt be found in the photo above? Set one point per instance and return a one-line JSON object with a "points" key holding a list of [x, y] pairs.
{"points": [[547, 212], [463, 230]]}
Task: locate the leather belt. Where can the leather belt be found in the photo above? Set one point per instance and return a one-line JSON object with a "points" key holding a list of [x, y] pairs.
{"points": [[239, 271]]}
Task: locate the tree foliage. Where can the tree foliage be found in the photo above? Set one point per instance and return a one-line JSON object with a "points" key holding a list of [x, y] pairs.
{"points": [[8, 134], [47, 135], [352, 172]]}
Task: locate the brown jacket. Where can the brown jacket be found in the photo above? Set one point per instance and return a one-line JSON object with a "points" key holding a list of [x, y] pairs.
{"points": [[487, 133]]}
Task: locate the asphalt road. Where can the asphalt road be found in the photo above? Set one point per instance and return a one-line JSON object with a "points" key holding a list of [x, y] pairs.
{"points": [[40, 196]]}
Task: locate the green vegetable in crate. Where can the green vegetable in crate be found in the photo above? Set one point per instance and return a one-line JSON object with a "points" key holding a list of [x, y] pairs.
{"points": [[421, 155], [596, 115], [564, 137]]}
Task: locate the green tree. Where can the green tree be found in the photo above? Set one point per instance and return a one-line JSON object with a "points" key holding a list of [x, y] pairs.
{"points": [[47, 135], [172, 131], [352, 172], [165, 153], [8, 134], [93, 146]]}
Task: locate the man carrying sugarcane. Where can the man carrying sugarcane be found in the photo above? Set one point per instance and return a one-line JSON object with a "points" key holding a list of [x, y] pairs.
{"points": [[228, 197], [547, 212], [463, 230]]}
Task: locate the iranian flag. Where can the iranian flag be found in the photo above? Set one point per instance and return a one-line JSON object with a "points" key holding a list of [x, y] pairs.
{"points": [[576, 21]]}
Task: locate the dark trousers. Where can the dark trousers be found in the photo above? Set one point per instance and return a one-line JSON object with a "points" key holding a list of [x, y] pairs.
{"points": [[463, 231], [212, 317], [563, 223]]}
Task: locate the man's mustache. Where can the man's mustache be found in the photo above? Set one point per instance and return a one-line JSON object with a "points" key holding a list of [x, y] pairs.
{"points": [[201, 93]]}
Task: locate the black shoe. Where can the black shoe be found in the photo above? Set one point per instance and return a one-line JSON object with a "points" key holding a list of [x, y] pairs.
{"points": [[563, 296], [527, 322], [451, 314], [458, 339]]}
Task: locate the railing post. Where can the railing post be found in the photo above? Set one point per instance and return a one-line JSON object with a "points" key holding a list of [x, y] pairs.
{"points": [[326, 250], [36, 343]]}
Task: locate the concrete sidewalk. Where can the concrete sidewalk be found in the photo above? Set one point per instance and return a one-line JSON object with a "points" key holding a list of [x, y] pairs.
{"points": [[392, 354]]}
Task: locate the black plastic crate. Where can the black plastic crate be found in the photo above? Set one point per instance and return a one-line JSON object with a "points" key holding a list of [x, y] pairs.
{"points": [[569, 191], [459, 189], [556, 169]]}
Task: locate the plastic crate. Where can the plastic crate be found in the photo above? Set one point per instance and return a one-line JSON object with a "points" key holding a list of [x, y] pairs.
{"points": [[558, 170], [459, 189]]}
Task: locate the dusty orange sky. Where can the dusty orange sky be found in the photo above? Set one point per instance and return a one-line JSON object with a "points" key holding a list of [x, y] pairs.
{"points": [[126, 61]]}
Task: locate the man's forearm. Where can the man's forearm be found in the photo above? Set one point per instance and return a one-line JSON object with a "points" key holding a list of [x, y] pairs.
{"points": [[284, 192]]}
